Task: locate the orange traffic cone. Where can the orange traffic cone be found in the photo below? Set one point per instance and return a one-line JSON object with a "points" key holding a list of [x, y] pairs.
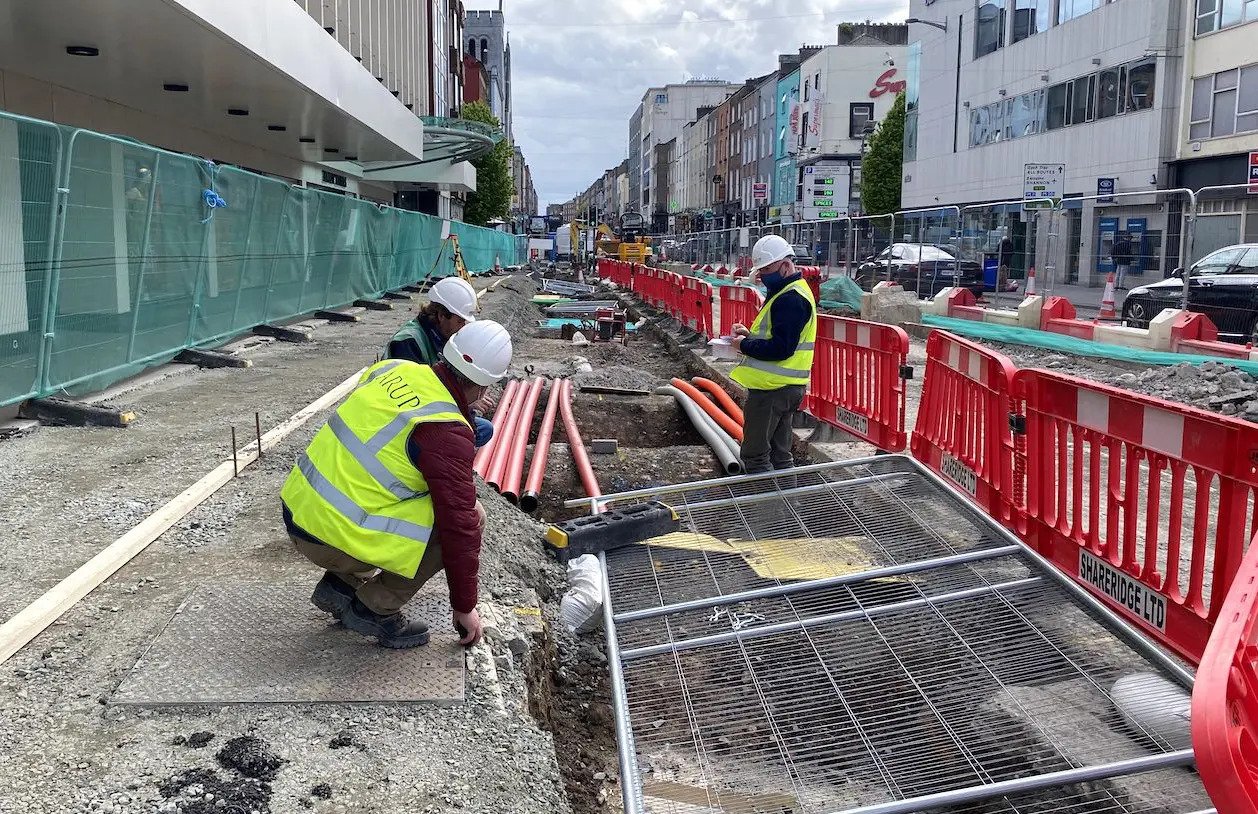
{"points": [[1030, 282], [1107, 299]]}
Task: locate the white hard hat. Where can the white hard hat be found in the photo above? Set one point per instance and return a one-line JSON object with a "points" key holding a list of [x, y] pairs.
{"points": [[768, 250], [481, 351], [457, 295]]}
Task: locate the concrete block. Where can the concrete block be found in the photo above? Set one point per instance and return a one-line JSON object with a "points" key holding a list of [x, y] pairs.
{"points": [[1002, 317], [1118, 335], [603, 446], [1029, 312], [1160, 328]]}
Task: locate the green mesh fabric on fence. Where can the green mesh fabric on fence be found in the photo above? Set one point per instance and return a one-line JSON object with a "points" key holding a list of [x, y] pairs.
{"points": [[135, 265]]}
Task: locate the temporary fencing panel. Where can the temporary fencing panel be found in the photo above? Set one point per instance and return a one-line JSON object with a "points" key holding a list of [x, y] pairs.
{"points": [[1225, 698], [962, 430], [738, 305], [1148, 504], [858, 379], [696, 305], [151, 252]]}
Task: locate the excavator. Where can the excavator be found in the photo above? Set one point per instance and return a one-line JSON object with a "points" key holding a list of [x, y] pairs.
{"points": [[631, 246]]}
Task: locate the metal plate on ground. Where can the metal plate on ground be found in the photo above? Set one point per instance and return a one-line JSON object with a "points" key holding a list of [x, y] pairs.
{"points": [[854, 637], [258, 643]]}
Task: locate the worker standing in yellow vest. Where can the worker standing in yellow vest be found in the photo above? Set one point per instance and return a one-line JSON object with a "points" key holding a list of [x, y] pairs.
{"points": [[777, 357], [384, 497]]}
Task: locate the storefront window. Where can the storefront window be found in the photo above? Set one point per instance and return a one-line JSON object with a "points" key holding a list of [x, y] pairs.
{"points": [[1057, 106], [1110, 92], [1140, 85]]}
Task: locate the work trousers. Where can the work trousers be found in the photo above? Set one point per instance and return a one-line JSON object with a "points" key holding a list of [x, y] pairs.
{"points": [[383, 592], [767, 436]]}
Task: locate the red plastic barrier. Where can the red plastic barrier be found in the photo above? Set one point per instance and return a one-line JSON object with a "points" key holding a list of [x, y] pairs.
{"points": [[739, 304], [1146, 503], [1196, 333], [1225, 698], [962, 305], [1058, 316], [812, 276], [858, 379], [696, 306], [962, 430]]}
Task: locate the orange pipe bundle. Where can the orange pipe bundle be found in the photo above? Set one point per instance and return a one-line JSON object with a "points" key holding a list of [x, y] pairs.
{"points": [[722, 398], [724, 421]]}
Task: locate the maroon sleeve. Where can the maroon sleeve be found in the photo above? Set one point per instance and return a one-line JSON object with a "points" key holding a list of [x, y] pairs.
{"points": [[443, 451]]}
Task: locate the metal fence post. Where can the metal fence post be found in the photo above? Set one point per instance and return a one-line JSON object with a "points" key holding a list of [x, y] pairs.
{"points": [[52, 261], [1189, 240], [144, 257], [240, 277]]}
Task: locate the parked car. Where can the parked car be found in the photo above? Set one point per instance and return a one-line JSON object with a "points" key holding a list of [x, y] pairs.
{"points": [[803, 257], [1223, 285], [937, 267]]}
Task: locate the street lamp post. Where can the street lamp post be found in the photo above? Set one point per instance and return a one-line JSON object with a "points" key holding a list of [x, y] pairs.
{"points": [[941, 26]]}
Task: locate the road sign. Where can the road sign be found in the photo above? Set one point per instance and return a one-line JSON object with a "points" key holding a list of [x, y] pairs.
{"points": [[1105, 190], [1042, 185], [1253, 173], [760, 192], [827, 190]]}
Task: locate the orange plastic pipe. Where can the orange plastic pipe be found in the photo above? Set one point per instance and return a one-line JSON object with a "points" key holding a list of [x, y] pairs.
{"points": [[513, 456], [577, 446], [726, 423], [722, 398], [481, 462], [525, 401], [541, 451], [502, 429]]}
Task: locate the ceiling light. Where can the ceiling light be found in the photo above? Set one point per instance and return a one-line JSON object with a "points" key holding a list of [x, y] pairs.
{"points": [[306, 140], [351, 158], [331, 150], [82, 51], [276, 128], [175, 87], [237, 111]]}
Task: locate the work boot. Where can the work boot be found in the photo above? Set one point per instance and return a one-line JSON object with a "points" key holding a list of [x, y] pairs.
{"points": [[332, 595], [394, 631]]}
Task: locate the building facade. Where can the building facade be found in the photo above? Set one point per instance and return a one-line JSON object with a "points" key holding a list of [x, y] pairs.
{"points": [[658, 120], [765, 159], [844, 91], [487, 41], [1218, 123], [335, 105], [987, 117], [785, 145]]}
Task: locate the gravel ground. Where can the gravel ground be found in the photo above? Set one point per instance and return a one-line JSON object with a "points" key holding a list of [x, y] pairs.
{"points": [[65, 747]]}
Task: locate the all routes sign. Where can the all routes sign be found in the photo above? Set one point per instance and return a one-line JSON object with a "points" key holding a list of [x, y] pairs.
{"points": [[1042, 185], [1253, 173]]}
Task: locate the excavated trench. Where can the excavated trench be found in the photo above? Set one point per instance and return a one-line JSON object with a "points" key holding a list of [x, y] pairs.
{"points": [[655, 444]]}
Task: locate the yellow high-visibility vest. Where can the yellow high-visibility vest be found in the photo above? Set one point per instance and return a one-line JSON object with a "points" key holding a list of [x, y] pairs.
{"points": [[354, 487], [757, 374]]}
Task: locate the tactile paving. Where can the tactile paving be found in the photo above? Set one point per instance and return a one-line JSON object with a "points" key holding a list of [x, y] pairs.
{"points": [[252, 643]]}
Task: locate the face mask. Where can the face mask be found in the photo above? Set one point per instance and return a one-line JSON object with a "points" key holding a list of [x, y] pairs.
{"points": [[771, 278]]}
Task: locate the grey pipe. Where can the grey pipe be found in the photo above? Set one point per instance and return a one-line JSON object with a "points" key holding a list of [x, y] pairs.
{"points": [[714, 436], [730, 444]]}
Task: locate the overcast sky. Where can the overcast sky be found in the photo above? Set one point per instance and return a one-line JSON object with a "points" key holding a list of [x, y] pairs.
{"points": [[580, 67]]}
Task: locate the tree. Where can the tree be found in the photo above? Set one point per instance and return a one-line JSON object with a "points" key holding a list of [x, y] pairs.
{"points": [[883, 166], [494, 185]]}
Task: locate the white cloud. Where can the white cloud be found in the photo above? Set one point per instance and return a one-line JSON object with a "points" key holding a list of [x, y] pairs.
{"points": [[579, 69]]}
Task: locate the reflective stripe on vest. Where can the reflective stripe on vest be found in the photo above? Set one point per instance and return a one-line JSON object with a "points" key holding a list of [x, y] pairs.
{"points": [[355, 487], [757, 374]]}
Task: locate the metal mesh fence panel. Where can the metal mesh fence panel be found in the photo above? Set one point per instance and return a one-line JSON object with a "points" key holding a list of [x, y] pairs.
{"points": [[30, 164], [148, 252]]}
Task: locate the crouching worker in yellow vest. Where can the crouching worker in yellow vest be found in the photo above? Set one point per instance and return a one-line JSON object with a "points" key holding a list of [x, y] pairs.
{"points": [[384, 497], [777, 357]]}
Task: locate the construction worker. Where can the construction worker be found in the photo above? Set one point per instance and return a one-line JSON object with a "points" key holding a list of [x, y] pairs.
{"points": [[384, 497], [452, 303], [777, 357]]}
